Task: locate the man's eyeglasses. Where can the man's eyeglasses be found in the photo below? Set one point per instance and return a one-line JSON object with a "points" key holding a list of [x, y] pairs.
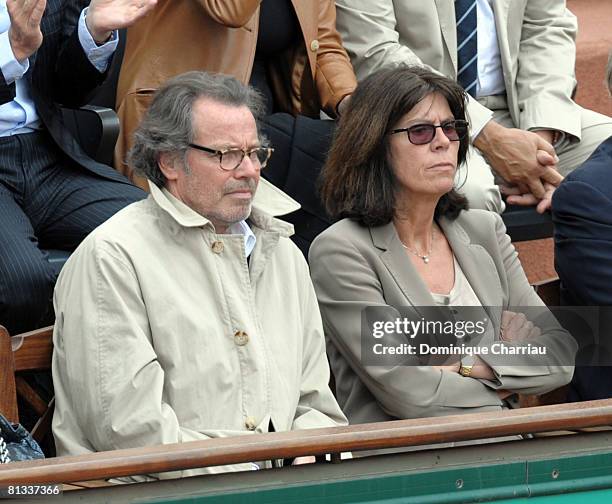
{"points": [[230, 159], [420, 134]]}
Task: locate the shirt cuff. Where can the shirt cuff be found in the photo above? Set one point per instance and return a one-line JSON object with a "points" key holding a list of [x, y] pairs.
{"points": [[12, 69], [476, 131], [559, 136], [99, 56]]}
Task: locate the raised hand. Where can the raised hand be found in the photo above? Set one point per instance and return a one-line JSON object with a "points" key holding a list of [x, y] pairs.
{"points": [[24, 34], [105, 16]]}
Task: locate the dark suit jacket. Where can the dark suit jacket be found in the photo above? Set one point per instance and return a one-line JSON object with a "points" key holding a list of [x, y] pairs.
{"points": [[61, 73], [582, 214]]}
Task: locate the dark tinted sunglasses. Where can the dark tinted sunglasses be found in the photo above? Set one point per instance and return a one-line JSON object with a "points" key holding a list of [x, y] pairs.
{"points": [[420, 134]]}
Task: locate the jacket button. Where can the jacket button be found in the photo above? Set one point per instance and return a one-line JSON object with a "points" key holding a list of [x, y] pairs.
{"points": [[241, 338], [249, 423], [314, 45], [217, 247]]}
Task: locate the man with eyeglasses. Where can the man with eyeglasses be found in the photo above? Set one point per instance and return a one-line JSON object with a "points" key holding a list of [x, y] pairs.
{"points": [[191, 314]]}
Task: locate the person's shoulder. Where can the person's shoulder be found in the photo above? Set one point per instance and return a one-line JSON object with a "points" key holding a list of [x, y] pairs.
{"points": [[344, 230], [480, 226], [124, 230], [346, 237], [588, 188], [475, 218], [596, 169]]}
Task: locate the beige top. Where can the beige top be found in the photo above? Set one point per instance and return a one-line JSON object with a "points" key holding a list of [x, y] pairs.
{"points": [[165, 334], [461, 294]]}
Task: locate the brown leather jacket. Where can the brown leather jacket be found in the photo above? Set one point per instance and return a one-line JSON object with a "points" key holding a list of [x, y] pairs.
{"points": [[221, 36]]}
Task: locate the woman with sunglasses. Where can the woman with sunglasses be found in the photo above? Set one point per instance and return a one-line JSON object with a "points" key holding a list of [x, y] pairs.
{"points": [[407, 246]]}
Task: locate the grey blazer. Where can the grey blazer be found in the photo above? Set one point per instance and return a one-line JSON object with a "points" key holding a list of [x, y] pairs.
{"points": [[354, 267]]}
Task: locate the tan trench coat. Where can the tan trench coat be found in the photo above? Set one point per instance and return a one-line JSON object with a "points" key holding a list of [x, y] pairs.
{"points": [[164, 334], [183, 35]]}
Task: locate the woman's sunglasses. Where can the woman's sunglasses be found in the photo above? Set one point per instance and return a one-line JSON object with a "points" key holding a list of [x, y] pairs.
{"points": [[420, 134]]}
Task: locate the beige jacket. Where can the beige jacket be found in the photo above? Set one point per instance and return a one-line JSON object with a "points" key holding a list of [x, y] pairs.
{"points": [[354, 267], [536, 41], [165, 334]]}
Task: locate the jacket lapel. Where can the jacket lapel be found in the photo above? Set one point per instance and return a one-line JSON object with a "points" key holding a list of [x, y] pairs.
{"points": [[476, 263], [501, 9], [446, 12], [394, 258]]}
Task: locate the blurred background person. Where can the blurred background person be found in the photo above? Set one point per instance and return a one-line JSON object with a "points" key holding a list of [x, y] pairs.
{"points": [[289, 50], [52, 53], [582, 214], [406, 240]]}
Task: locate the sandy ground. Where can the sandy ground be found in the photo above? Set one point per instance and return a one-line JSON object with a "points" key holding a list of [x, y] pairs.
{"points": [[593, 44]]}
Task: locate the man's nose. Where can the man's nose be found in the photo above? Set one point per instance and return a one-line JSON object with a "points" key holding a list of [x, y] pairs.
{"points": [[247, 168]]}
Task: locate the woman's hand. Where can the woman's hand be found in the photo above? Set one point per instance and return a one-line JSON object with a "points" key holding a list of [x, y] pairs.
{"points": [[515, 327], [450, 368]]}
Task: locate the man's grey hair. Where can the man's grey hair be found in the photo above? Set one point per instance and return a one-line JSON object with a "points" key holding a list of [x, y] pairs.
{"points": [[609, 72], [167, 126]]}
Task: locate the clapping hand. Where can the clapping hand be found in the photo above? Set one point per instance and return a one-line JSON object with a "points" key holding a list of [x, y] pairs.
{"points": [[105, 16], [24, 34]]}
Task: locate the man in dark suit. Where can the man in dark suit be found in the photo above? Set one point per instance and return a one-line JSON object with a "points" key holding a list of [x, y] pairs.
{"points": [[52, 194], [582, 213]]}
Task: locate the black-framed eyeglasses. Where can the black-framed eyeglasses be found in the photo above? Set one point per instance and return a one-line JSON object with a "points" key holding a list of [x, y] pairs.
{"points": [[230, 159], [420, 134]]}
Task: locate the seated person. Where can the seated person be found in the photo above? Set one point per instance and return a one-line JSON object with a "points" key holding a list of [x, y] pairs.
{"points": [[289, 50], [167, 324], [516, 60], [51, 194], [406, 240], [582, 213]]}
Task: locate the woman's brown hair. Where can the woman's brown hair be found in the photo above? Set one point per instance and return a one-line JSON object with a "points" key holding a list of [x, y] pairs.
{"points": [[357, 180]]}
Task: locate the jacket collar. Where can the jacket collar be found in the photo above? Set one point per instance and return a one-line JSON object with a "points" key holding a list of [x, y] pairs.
{"points": [[187, 217], [475, 261]]}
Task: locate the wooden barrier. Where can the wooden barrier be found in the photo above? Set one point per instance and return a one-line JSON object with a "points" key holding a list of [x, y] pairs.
{"points": [[223, 451]]}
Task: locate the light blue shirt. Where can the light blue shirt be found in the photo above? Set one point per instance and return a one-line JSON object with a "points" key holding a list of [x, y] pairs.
{"points": [[249, 237], [19, 115]]}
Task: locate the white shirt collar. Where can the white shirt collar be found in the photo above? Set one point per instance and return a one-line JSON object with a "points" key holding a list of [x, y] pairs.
{"points": [[249, 237]]}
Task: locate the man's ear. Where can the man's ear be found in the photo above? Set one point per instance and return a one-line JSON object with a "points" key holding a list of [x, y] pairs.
{"points": [[168, 164]]}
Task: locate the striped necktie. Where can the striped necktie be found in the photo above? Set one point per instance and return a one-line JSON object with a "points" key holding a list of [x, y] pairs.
{"points": [[467, 45]]}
